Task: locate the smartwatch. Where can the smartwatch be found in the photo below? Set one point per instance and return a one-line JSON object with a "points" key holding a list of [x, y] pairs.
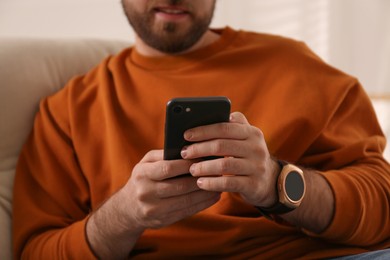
{"points": [[291, 188]]}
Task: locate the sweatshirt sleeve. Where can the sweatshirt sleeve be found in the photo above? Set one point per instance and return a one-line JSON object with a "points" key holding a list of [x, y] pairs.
{"points": [[51, 199], [349, 152]]}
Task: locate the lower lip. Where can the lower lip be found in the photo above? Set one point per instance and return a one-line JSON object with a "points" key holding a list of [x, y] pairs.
{"points": [[171, 17]]}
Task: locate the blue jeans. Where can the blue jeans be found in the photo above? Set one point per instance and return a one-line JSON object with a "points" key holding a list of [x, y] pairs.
{"points": [[375, 255]]}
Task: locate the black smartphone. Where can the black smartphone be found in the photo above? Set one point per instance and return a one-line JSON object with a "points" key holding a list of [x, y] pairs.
{"points": [[185, 113]]}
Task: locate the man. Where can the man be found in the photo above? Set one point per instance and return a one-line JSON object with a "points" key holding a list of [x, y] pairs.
{"points": [[92, 182]]}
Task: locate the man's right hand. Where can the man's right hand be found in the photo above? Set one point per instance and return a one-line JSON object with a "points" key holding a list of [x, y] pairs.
{"points": [[156, 195]]}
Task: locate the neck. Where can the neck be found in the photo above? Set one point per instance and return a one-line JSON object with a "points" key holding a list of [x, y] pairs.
{"points": [[208, 38]]}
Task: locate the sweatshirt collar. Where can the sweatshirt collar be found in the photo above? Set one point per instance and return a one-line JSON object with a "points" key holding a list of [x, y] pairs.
{"points": [[171, 62]]}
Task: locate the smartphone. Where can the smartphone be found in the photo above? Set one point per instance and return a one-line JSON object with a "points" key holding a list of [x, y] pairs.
{"points": [[185, 113]]}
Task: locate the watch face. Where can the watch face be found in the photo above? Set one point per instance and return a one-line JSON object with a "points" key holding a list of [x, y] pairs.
{"points": [[294, 186]]}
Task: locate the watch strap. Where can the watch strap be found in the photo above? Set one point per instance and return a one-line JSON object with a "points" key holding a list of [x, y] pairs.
{"points": [[277, 208]]}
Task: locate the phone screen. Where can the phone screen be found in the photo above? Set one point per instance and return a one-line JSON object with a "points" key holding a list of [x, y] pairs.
{"points": [[185, 113]]}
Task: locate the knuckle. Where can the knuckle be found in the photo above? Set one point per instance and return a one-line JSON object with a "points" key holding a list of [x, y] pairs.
{"points": [[235, 166], [137, 173], [260, 151], [141, 195], [156, 223], [261, 168], [137, 176], [218, 147], [256, 148], [149, 154], [180, 187], [226, 165], [166, 168], [203, 132], [225, 128], [229, 184], [257, 132], [149, 212], [161, 190]]}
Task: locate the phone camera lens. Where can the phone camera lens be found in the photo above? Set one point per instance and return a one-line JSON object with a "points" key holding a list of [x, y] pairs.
{"points": [[178, 109]]}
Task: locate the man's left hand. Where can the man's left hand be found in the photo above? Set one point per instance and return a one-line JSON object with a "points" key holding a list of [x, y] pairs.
{"points": [[245, 166]]}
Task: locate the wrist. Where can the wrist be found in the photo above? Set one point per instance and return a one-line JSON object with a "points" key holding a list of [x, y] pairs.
{"points": [[126, 213], [275, 169], [290, 190], [110, 231]]}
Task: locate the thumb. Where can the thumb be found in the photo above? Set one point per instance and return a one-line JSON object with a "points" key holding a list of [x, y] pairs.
{"points": [[237, 117]]}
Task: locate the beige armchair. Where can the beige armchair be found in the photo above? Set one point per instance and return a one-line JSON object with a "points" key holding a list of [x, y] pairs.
{"points": [[29, 70]]}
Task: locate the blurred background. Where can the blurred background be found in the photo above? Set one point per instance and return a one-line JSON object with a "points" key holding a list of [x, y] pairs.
{"points": [[352, 35]]}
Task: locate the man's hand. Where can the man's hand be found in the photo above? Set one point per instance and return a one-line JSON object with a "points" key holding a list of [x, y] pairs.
{"points": [[246, 166], [156, 195], [159, 194]]}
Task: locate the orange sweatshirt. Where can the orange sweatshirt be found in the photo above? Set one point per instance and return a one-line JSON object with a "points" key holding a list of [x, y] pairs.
{"points": [[88, 137]]}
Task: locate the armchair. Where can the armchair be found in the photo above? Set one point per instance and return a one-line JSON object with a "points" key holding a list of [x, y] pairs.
{"points": [[29, 70]]}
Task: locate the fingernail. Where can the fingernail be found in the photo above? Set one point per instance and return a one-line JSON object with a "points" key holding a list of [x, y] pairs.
{"points": [[188, 135], [183, 152], [199, 182]]}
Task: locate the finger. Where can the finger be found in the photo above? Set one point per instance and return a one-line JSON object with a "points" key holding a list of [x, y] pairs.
{"points": [[223, 166], [167, 218], [176, 186], [184, 203], [193, 209], [190, 204], [237, 117], [224, 183], [218, 147], [163, 170], [221, 130], [153, 156]]}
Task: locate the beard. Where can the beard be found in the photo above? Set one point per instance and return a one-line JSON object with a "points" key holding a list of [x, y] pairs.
{"points": [[168, 37]]}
